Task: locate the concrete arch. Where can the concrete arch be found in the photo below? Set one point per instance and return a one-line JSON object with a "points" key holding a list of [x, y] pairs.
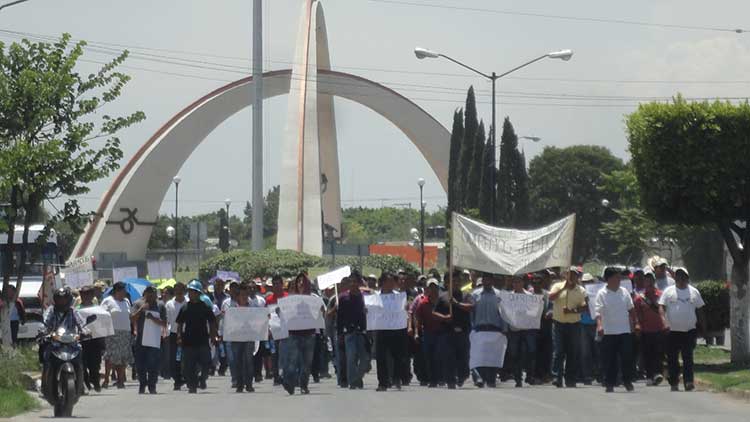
{"points": [[128, 209]]}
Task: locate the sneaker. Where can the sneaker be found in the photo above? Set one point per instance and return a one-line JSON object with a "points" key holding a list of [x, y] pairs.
{"points": [[558, 383], [238, 389], [202, 385], [519, 384], [352, 387], [609, 389], [152, 390], [304, 390], [316, 379], [289, 388], [192, 391], [249, 389], [658, 379], [689, 386], [629, 386], [675, 387], [142, 389], [479, 384]]}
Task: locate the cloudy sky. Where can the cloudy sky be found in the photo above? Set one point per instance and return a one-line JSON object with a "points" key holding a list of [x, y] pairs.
{"points": [[185, 48]]}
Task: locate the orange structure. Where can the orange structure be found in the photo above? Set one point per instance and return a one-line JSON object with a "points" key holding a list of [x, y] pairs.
{"points": [[409, 253]]}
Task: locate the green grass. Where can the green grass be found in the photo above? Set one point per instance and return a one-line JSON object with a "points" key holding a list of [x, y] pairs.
{"points": [[14, 401], [713, 367]]}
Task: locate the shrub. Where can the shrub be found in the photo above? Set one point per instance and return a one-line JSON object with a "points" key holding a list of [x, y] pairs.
{"points": [[13, 363], [715, 294], [259, 264], [382, 262]]}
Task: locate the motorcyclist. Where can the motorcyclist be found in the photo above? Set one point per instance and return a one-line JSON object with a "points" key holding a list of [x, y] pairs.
{"points": [[63, 315]]}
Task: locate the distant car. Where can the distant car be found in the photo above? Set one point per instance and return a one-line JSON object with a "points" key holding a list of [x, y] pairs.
{"points": [[34, 318]]}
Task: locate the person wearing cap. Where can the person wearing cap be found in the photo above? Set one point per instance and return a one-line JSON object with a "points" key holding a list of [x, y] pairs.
{"points": [[590, 367], [569, 301], [196, 327], [652, 328], [616, 321], [484, 306], [433, 315], [173, 307], [680, 307], [661, 273], [146, 356]]}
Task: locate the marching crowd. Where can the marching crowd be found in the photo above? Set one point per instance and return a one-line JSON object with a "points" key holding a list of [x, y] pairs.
{"points": [[626, 338]]}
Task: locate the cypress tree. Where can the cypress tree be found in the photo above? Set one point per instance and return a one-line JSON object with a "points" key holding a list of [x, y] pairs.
{"points": [[486, 185], [475, 170], [457, 135], [522, 205], [505, 173], [471, 124]]}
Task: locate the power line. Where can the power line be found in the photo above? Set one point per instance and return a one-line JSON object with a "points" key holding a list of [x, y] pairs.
{"points": [[562, 17]]}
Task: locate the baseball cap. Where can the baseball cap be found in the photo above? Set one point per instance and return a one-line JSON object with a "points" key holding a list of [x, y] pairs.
{"points": [[575, 269], [683, 269], [658, 262], [432, 282], [587, 277]]}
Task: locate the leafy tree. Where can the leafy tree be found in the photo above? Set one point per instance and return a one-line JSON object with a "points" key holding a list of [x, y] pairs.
{"points": [[271, 211], [52, 143], [473, 186], [566, 180], [457, 135], [487, 182], [505, 175], [691, 163], [471, 125], [521, 204], [223, 231]]}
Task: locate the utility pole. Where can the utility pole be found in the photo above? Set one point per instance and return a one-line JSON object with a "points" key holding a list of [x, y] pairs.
{"points": [[257, 178]]}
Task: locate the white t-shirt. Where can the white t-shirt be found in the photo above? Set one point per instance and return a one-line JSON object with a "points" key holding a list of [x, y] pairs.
{"points": [[173, 309], [680, 307], [663, 283], [120, 311], [613, 307]]}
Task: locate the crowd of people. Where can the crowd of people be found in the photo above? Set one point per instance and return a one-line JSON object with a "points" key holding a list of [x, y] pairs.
{"points": [[612, 336]]}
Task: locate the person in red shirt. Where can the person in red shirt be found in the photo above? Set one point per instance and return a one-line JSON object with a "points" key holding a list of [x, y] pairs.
{"points": [[652, 328], [433, 316]]}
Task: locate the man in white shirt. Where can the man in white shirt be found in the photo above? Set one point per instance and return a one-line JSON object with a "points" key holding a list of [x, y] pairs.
{"points": [[680, 307], [173, 307], [663, 280], [615, 321]]}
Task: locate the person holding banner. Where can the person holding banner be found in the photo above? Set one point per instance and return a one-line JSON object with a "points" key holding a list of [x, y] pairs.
{"points": [[487, 328], [242, 351], [392, 344], [615, 322], [299, 346], [149, 317], [91, 348], [522, 343], [569, 301]]}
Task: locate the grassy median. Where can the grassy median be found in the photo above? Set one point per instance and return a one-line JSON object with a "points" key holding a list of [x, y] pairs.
{"points": [[13, 397], [714, 369]]}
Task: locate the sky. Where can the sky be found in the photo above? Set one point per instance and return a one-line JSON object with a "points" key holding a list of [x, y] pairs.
{"points": [[582, 101]]}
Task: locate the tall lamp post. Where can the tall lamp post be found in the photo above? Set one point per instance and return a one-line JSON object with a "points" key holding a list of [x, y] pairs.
{"points": [[422, 204], [423, 53], [176, 181]]}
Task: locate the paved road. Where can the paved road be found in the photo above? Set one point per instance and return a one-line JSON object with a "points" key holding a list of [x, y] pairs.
{"points": [[327, 403]]}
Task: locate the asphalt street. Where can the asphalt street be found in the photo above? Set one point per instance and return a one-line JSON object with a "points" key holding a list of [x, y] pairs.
{"points": [[328, 403]]}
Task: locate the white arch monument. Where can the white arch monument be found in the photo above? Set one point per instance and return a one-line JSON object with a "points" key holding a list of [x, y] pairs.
{"points": [[130, 207]]}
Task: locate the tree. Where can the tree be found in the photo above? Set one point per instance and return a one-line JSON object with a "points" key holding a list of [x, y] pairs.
{"points": [[505, 175], [691, 163], [52, 145], [521, 204], [457, 135], [471, 125], [566, 180], [487, 181], [271, 211], [223, 231], [473, 186]]}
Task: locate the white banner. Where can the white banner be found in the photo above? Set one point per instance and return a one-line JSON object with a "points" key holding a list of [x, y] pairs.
{"points": [[120, 274], [246, 324], [509, 251], [302, 312], [522, 311], [334, 277], [76, 280], [386, 311], [487, 349], [159, 270], [277, 325], [591, 291], [151, 336], [102, 327], [228, 275]]}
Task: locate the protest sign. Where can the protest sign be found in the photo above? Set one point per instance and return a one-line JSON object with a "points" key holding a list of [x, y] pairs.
{"points": [[522, 311], [102, 327], [151, 336], [591, 291], [76, 280], [228, 275], [277, 325], [302, 312], [120, 274], [334, 277], [509, 251], [159, 270], [386, 311], [246, 324], [487, 349]]}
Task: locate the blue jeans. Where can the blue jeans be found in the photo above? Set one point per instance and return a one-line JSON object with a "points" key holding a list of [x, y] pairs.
{"points": [[241, 362], [356, 357], [147, 361], [522, 351], [566, 339], [429, 343], [298, 358]]}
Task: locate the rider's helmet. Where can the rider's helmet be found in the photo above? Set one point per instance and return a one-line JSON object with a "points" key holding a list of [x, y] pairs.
{"points": [[63, 298]]}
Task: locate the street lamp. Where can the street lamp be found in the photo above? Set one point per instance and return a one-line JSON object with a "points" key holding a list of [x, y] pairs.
{"points": [[227, 202], [176, 227], [12, 3], [421, 182], [423, 53], [531, 138]]}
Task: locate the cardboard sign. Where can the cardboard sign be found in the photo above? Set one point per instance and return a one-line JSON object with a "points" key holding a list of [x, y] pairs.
{"points": [[522, 311], [120, 274], [102, 327], [302, 312], [277, 325], [386, 311], [246, 324], [487, 349], [334, 277]]}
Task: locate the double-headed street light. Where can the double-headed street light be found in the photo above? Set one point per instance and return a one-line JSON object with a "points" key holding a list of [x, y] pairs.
{"points": [[423, 53]]}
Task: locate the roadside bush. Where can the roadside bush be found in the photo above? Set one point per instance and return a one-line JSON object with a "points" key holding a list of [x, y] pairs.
{"points": [[259, 264], [716, 295], [382, 262], [15, 361]]}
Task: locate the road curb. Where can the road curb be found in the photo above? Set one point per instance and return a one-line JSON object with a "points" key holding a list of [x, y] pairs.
{"points": [[734, 392]]}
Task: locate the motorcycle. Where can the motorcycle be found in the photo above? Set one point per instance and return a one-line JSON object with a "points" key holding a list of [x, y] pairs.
{"points": [[61, 380]]}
